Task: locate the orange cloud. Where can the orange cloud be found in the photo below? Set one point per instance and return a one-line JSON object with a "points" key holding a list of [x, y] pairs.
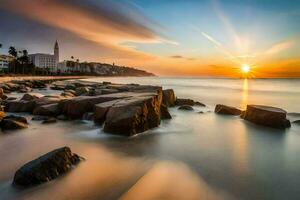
{"points": [[104, 24]]}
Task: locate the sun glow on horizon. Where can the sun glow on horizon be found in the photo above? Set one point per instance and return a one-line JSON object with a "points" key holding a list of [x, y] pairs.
{"points": [[245, 69]]}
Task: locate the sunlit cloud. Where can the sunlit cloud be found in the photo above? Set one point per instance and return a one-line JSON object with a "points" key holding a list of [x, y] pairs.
{"points": [[106, 24], [279, 47]]}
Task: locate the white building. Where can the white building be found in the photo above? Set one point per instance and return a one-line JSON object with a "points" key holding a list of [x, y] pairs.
{"points": [[47, 62], [4, 62]]}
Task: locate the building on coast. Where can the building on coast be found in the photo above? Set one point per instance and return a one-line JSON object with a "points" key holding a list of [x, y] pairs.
{"points": [[48, 62]]}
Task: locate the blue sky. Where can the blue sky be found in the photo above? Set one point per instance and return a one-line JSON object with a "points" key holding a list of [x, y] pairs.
{"points": [[160, 36]]}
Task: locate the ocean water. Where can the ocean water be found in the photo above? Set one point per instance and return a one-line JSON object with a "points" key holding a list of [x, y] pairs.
{"points": [[192, 156]]}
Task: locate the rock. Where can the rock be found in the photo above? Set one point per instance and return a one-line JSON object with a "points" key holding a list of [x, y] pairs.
{"points": [[100, 110], [1, 93], [31, 96], [89, 116], [70, 87], [296, 122], [49, 121], [186, 107], [38, 84], [25, 90], [169, 97], [2, 115], [62, 117], [67, 94], [134, 115], [267, 116], [47, 110], [10, 98], [227, 110], [164, 112], [105, 91], [13, 122], [76, 107], [39, 118], [181, 102], [46, 167], [57, 87], [20, 106], [197, 103], [82, 91]]}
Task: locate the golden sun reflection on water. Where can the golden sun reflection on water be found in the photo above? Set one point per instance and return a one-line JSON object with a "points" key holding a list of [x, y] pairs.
{"points": [[244, 101]]}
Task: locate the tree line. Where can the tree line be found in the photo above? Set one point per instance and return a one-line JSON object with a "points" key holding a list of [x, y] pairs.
{"points": [[20, 64]]}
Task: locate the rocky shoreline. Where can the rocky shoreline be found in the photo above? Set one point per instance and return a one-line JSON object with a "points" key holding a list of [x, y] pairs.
{"points": [[122, 109]]}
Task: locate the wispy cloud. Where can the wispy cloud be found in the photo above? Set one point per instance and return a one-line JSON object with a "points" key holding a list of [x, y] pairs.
{"points": [[279, 47], [107, 23]]}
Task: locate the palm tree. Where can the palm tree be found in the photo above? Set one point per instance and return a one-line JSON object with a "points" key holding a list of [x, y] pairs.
{"points": [[13, 52], [24, 60]]}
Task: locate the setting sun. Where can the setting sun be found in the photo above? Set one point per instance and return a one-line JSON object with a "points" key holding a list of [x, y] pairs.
{"points": [[245, 69]]}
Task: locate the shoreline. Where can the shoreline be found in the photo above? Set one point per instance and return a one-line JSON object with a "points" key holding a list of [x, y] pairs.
{"points": [[54, 78]]}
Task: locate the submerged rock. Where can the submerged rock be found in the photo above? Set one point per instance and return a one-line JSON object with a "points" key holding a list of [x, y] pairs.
{"points": [[188, 102], [181, 102], [50, 120], [39, 118], [46, 167], [186, 107], [267, 116], [227, 110], [296, 122]]}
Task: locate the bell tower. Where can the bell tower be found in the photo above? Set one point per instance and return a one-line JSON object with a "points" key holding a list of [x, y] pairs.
{"points": [[56, 53]]}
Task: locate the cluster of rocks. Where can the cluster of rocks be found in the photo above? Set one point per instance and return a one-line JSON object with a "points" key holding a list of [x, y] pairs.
{"points": [[258, 114], [124, 109]]}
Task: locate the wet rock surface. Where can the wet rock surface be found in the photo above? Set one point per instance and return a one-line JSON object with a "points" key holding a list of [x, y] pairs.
{"points": [[186, 107], [13, 122], [227, 110], [267, 116], [46, 167]]}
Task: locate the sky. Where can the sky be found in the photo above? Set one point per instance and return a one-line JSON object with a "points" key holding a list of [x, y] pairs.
{"points": [[166, 37]]}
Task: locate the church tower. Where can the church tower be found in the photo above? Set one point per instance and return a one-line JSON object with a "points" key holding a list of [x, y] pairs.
{"points": [[56, 53]]}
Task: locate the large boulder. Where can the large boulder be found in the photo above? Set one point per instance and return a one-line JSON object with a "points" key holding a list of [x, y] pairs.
{"points": [[169, 97], [227, 110], [20, 106], [100, 110], [134, 115], [76, 107], [47, 110], [267, 116], [46, 167], [13, 122]]}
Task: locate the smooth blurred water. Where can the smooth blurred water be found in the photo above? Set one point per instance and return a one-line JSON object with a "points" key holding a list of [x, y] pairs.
{"points": [[192, 156]]}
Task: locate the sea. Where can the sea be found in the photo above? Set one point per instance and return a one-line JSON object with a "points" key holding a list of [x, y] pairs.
{"points": [[195, 155]]}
